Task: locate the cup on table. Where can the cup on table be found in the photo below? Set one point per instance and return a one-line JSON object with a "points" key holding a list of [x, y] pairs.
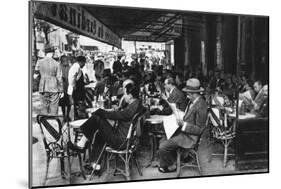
{"points": [[113, 98]]}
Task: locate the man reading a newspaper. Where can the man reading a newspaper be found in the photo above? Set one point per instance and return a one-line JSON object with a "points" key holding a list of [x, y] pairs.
{"points": [[190, 125]]}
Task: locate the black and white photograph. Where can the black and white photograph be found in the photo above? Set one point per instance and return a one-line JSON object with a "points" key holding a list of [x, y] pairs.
{"points": [[122, 94]]}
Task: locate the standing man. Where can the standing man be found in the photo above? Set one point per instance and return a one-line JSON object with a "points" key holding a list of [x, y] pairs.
{"points": [[76, 90], [50, 86], [117, 65], [64, 101], [190, 126]]}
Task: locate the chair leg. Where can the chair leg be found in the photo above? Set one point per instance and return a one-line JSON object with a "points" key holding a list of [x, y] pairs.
{"points": [[69, 166], [107, 162], [137, 165], [152, 144], [97, 161], [103, 163], [127, 170], [178, 162], [47, 170], [115, 164], [198, 162], [62, 169], [210, 158], [81, 166], [225, 153]]}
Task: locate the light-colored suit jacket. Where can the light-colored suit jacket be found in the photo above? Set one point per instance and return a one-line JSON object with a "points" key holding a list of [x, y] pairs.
{"points": [[195, 118], [51, 75]]}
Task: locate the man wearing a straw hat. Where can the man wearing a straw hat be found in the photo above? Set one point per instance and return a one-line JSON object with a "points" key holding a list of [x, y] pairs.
{"points": [[190, 126]]}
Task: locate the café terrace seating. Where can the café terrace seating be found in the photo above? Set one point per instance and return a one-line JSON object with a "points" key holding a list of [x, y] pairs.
{"points": [[220, 125], [191, 152], [221, 131], [127, 152], [55, 145]]}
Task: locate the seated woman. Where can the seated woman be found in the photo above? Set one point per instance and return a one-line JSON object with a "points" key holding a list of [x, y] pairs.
{"points": [[101, 120]]}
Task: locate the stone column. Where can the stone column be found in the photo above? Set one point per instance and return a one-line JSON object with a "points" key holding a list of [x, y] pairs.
{"points": [[219, 62], [181, 49]]}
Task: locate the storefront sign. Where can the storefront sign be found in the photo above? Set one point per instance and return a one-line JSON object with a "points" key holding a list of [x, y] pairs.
{"points": [[76, 19]]}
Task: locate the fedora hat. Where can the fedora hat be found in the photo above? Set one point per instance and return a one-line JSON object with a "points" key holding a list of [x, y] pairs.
{"points": [[193, 86]]}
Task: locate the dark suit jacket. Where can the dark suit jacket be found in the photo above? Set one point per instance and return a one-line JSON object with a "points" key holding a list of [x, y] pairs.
{"points": [[195, 118], [123, 117], [177, 97]]}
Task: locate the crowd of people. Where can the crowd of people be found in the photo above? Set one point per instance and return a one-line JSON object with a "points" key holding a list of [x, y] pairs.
{"points": [[129, 86]]}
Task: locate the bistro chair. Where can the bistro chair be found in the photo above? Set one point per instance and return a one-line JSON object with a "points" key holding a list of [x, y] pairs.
{"points": [[54, 143], [127, 151], [221, 131], [190, 152], [51, 129]]}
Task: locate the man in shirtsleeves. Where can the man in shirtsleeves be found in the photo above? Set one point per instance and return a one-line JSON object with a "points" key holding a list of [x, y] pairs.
{"points": [[76, 90]]}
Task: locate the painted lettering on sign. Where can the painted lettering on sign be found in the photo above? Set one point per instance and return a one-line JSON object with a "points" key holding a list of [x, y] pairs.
{"points": [[76, 19]]}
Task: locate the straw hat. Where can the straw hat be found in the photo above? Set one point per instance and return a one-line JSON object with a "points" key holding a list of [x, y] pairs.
{"points": [[193, 86]]}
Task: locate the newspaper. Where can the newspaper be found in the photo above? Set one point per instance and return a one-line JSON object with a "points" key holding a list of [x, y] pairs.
{"points": [[170, 125], [246, 97], [178, 113], [170, 122]]}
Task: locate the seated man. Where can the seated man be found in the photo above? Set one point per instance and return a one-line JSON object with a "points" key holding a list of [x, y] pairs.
{"points": [[262, 109], [180, 81], [114, 137], [122, 102], [174, 96], [253, 102], [259, 98], [190, 126]]}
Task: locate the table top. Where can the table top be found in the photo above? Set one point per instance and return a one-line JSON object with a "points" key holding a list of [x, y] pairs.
{"points": [[77, 123], [91, 85], [155, 119], [246, 116], [91, 110]]}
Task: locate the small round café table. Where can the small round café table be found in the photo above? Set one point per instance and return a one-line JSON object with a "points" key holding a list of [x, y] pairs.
{"points": [[156, 132]]}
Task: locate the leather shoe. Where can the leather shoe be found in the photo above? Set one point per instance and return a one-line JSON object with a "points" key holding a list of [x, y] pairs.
{"points": [[89, 169], [166, 170]]}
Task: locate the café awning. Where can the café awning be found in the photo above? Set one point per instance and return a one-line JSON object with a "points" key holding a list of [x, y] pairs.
{"points": [[111, 24]]}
